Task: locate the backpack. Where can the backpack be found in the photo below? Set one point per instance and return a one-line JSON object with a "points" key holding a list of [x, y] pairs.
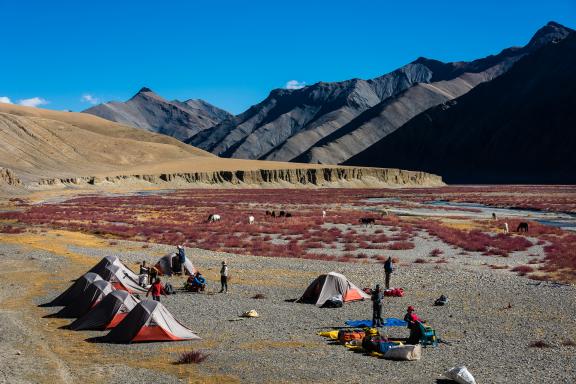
{"points": [[169, 289]]}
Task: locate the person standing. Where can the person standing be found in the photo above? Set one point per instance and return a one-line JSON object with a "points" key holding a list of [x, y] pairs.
{"points": [[156, 289], [224, 277], [143, 275], [388, 269], [152, 274], [181, 258], [377, 296]]}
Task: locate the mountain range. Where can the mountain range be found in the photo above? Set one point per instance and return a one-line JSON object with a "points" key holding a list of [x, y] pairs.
{"points": [[179, 119], [338, 122], [518, 128]]}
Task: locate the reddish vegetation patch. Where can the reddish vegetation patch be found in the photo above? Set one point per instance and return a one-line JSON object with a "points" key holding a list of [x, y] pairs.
{"points": [[11, 230], [522, 270], [436, 252], [420, 261]]}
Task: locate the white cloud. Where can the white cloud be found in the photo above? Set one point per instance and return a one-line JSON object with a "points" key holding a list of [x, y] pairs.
{"points": [[295, 84], [5, 100], [33, 102], [88, 98]]}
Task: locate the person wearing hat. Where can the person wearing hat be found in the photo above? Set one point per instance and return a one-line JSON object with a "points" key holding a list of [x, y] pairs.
{"points": [[224, 277], [377, 296], [414, 325], [181, 257]]}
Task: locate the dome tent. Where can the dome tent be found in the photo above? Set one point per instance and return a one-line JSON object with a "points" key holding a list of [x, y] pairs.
{"points": [[90, 297], [164, 265], [75, 290], [149, 321], [107, 313], [331, 285], [113, 260], [119, 279]]}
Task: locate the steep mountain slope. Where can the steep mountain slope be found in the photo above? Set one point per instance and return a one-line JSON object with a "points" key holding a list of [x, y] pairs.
{"points": [[330, 122], [518, 128], [173, 118]]}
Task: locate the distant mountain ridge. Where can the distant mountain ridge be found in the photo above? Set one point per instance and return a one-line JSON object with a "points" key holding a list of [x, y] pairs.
{"points": [[518, 128], [149, 111], [331, 122]]}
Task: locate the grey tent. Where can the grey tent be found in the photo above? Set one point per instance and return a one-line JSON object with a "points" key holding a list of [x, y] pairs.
{"points": [[74, 291], [112, 260], [164, 265], [107, 313], [119, 279], [329, 286], [82, 304], [149, 321]]}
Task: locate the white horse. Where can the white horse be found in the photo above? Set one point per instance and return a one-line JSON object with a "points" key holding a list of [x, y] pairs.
{"points": [[212, 218], [251, 220], [323, 214], [506, 229]]}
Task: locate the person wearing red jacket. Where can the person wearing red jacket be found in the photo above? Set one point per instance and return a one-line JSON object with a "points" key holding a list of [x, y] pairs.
{"points": [[414, 325], [156, 289]]}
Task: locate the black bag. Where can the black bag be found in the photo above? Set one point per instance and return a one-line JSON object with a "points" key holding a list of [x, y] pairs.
{"points": [[169, 289], [442, 300], [332, 303]]}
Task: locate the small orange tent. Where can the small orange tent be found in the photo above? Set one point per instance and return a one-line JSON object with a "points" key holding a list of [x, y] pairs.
{"points": [[332, 285]]}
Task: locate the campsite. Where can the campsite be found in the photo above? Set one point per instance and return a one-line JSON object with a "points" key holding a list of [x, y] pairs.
{"points": [[487, 304]]}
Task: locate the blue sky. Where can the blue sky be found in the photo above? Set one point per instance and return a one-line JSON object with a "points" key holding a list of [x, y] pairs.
{"points": [[232, 53]]}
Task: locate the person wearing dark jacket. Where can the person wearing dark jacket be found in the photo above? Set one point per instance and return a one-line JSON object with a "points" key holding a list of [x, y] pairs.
{"points": [[377, 297], [224, 277], [388, 269], [181, 258], [156, 289]]}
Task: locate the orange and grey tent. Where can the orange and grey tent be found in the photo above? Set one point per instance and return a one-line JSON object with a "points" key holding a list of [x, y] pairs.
{"points": [[149, 321], [119, 279], [113, 260], [89, 298], [74, 291], [164, 265], [331, 285], [107, 313]]}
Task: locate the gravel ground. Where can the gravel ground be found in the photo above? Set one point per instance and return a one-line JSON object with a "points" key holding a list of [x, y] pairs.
{"points": [[282, 345]]}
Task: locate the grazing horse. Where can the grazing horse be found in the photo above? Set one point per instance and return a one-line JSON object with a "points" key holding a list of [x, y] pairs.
{"points": [[367, 221], [288, 214], [506, 230], [282, 214], [213, 217], [251, 219], [522, 227], [323, 214]]}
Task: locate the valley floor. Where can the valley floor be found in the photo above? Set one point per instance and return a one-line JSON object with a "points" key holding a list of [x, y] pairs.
{"points": [[492, 317]]}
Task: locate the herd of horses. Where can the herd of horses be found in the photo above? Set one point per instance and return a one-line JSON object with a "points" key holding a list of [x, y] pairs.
{"points": [[366, 221]]}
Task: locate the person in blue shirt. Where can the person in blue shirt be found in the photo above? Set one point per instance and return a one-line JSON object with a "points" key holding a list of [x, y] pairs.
{"points": [[181, 257]]}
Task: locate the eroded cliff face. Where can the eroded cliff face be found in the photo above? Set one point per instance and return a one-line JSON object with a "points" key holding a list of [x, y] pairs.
{"points": [[8, 177], [299, 177]]}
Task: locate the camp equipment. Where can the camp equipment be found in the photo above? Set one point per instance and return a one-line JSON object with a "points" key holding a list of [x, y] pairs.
{"points": [[347, 335], [149, 321], [120, 279], [164, 265], [388, 322], [107, 313], [394, 292], [250, 313], [112, 260], [442, 300], [404, 352], [74, 291], [90, 297], [325, 287], [427, 335], [460, 374]]}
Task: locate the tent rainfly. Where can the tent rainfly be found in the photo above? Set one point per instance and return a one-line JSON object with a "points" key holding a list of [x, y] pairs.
{"points": [[108, 313], [90, 297], [331, 285], [113, 260], [164, 265], [149, 321], [75, 290], [120, 279]]}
